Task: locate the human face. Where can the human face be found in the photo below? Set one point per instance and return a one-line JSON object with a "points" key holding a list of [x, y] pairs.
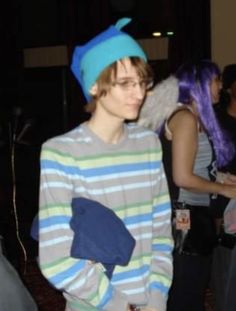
{"points": [[215, 87], [125, 95]]}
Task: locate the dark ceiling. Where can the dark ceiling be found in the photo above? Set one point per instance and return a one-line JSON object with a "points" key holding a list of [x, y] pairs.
{"points": [[40, 23], [43, 22]]}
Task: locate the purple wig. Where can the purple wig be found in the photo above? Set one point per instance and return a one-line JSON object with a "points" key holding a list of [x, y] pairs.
{"points": [[194, 85]]}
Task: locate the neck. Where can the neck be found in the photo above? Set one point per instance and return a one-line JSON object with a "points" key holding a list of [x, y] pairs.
{"points": [[110, 131]]}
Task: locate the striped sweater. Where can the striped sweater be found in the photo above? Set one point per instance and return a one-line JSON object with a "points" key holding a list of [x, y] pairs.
{"points": [[128, 177]]}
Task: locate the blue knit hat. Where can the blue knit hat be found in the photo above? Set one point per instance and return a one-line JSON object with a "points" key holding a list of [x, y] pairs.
{"points": [[89, 60]]}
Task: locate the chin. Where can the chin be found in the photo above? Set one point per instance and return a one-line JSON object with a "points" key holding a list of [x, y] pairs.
{"points": [[133, 113], [132, 116], [215, 101]]}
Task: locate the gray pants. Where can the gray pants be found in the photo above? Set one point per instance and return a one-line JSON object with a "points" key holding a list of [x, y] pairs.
{"points": [[13, 294], [230, 297]]}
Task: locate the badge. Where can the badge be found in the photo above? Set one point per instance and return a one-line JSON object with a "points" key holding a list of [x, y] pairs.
{"points": [[183, 219]]}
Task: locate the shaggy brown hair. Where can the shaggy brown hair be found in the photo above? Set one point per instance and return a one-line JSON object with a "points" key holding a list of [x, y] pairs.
{"points": [[104, 82]]}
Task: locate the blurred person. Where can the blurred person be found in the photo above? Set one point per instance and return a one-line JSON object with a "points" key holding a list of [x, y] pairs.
{"points": [[226, 109], [107, 162], [223, 257], [13, 293], [194, 147]]}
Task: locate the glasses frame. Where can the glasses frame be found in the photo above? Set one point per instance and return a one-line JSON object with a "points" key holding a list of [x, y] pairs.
{"points": [[127, 85]]}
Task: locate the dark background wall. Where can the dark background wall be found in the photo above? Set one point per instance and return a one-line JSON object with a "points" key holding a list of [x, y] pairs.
{"points": [[38, 103]]}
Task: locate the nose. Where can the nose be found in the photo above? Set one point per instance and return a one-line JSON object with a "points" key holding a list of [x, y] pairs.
{"points": [[139, 91]]}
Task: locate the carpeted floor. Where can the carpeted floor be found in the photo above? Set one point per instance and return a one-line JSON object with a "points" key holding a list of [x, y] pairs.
{"points": [[49, 299]]}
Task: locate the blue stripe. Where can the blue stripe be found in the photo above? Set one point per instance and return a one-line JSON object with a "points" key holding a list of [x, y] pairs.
{"points": [[130, 274], [91, 172], [137, 219], [70, 272], [107, 297], [159, 286], [49, 164], [55, 220], [161, 207], [121, 168], [162, 248]]}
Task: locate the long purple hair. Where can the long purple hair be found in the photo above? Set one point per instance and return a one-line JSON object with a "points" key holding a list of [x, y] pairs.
{"points": [[194, 85]]}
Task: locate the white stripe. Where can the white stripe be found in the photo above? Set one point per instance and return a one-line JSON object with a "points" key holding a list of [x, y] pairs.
{"points": [[160, 224], [46, 185], [119, 188], [114, 176], [147, 223], [142, 278], [122, 175], [135, 291], [66, 281], [143, 236], [80, 283], [55, 241], [162, 212], [164, 259]]}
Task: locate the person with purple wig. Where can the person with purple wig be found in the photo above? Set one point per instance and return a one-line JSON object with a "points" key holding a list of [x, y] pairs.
{"points": [[194, 149]]}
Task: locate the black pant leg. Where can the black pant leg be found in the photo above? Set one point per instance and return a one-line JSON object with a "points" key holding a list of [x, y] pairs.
{"points": [[191, 277]]}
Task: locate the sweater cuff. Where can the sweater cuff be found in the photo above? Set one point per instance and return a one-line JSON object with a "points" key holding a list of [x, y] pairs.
{"points": [[118, 302], [157, 301]]}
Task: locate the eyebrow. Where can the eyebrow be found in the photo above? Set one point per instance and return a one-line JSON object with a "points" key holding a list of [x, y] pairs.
{"points": [[127, 78]]}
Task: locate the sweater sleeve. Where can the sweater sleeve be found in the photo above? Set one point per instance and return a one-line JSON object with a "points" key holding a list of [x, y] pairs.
{"points": [[162, 244], [84, 284]]}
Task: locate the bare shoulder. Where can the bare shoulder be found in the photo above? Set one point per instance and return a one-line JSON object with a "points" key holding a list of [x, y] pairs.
{"points": [[183, 119]]}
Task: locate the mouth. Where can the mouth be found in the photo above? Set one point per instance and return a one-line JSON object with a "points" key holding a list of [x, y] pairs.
{"points": [[134, 106]]}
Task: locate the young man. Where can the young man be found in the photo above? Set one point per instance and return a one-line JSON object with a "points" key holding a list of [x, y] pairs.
{"points": [[118, 165]]}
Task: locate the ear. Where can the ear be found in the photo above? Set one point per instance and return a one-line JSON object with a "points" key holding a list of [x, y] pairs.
{"points": [[94, 89]]}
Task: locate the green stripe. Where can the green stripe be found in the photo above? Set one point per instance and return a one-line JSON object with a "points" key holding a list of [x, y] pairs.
{"points": [[102, 156], [163, 278], [160, 197], [54, 263]]}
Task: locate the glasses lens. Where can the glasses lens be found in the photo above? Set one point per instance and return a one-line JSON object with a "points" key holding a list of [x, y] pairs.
{"points": [[126, 85]]}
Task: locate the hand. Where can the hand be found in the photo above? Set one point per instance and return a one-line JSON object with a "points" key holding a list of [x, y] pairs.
{"points": [[226, 178], [228, 191], [230, 179]]}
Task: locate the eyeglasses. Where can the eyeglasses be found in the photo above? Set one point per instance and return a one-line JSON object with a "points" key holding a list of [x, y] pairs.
{"points": [[128, 85]]}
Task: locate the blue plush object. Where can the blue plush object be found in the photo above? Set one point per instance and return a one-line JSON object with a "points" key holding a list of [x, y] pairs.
{"points": [[90, 59], [34, 230], [100, 235]]}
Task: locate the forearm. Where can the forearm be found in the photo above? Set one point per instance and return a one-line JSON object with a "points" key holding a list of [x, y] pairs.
{"points": [[84, 284], [82, 281], [196, 183]]}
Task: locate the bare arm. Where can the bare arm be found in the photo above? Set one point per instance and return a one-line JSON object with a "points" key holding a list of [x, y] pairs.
{"points": [[184, 128]]}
